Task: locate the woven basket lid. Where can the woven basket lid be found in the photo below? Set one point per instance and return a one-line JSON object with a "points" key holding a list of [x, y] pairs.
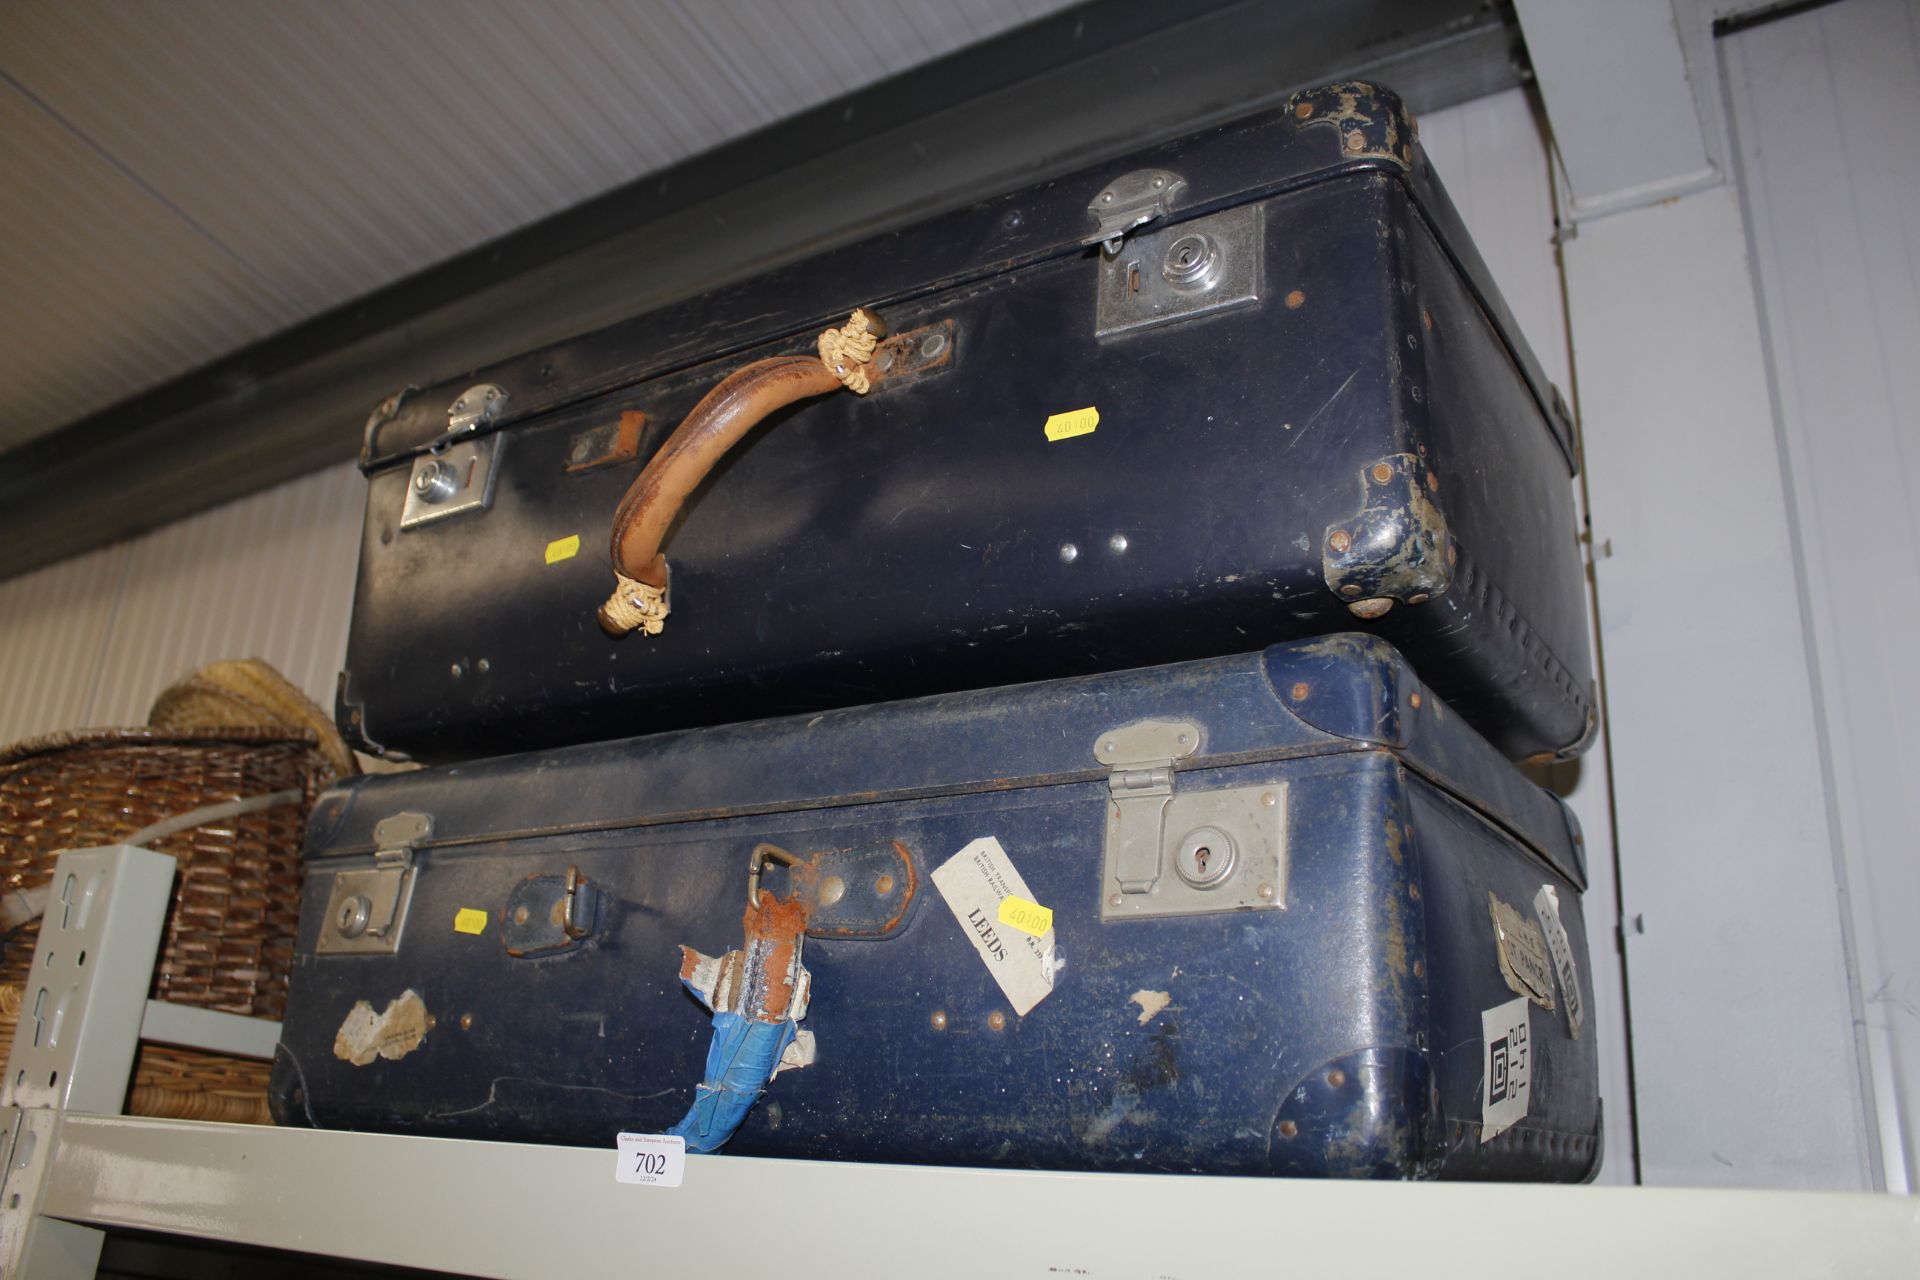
{"points": [[248, 692]]}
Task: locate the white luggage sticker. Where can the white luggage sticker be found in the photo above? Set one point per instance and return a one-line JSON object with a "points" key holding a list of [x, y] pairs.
{"points": [[974, 882], [651, 1159], [1506, 1067], [1546, 905]]}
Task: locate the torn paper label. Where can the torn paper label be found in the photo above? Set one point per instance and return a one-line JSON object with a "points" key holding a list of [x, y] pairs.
{"points": [[1506, 1067], [1546, 905], [393, 1033], [1523, 953], [974, 882]]}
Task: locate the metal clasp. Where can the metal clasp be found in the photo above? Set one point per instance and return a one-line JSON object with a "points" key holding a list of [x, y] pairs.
{"points": [[1130, 201], [367, 909], [763, 854], [1226, 849]]}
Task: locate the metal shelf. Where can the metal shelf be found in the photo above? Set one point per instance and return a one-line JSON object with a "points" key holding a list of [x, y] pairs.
{"points": [[512, 1210]]}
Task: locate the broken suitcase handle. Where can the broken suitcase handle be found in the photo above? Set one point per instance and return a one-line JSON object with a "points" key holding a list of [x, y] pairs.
{"points": [[761, 856], [723, 417]]}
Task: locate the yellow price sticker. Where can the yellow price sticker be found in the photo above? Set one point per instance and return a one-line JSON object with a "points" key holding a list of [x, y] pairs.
{"points": [[470, 920], [1027, 917], [563, 548], [1080, 422]]}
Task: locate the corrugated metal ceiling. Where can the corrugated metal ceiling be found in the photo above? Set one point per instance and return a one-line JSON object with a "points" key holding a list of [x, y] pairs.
{"points": [[181, 179]]}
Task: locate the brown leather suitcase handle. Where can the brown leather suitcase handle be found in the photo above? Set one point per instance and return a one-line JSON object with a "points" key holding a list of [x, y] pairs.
{"points": [[724, 415]]}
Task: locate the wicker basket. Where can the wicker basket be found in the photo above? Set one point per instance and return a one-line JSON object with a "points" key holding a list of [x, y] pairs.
{"points": [[229, 937]]}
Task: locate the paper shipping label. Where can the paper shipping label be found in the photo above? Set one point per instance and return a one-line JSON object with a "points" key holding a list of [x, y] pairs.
{"points": [[1506, 1067], [974, 882]]}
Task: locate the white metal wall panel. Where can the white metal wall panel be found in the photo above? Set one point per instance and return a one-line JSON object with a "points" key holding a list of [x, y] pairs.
{"points": [[270, 576], [54, 625], [191, 176], [92, 641], [1745, 1070], [1824, 105]]}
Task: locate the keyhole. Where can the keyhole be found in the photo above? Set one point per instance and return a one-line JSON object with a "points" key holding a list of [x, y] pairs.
{"points": [[1200, 857], [1187, 256]]}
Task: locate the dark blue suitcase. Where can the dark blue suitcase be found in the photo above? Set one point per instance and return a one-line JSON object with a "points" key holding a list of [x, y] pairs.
{"points": [[1291, 896], [1314, 414]]}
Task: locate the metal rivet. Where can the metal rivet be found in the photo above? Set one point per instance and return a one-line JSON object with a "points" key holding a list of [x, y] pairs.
{"points": [[1415, 700], [1288, 1129], [1117, 543], [1295, 300], [520, 915], [1304, 110], [1106, 748], [1159, 183], [1336, 1077], [1351, 589], [1433, 482], [1413, 891], [1184, 739], [1419, 597], [1452, 554], [883, 886], [933, 344], [1266, 892], [1382, 473], [1014, 220], [1268, 799], [1299, 691], [1113, 900], [456, 671], [483, 665], [1426, 318], [1068, 553], [466, 1022], [1356, 140], [1339, 540], [1419, 968], [832, 889], [939, 1020], [1106, 197], [997, 1021]]}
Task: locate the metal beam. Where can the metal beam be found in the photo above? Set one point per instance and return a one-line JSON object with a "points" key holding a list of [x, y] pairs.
{"points": [[513, 1210], [1087, 84]]}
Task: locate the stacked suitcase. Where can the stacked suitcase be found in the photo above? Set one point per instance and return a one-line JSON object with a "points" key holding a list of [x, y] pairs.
{"points": [[1053, 703]]}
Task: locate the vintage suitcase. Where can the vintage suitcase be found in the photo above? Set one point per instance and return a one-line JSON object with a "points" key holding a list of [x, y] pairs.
{"points": [[1288, 401], [1303, 921]]}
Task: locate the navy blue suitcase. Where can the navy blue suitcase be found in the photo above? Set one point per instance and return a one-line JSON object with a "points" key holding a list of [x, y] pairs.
{"points": [[1281, 913], [1287, 401]]}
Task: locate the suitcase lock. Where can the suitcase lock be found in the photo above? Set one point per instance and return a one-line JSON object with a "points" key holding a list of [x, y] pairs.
{"points": [[366, 910], [1180, 853]]}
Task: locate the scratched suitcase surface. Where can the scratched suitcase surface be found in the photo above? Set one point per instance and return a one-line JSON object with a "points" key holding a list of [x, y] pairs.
{"points": [[1289, 402], [1291, 895]]}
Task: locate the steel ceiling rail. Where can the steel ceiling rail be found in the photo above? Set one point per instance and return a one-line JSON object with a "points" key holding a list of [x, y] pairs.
{"points": [[1086, 84]]}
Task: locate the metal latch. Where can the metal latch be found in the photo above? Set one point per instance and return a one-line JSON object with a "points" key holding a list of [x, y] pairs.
{"points": [[367, 910], [1141, 756], [475, 407], [1130, 201], [452, 479], [1189, 852]]}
